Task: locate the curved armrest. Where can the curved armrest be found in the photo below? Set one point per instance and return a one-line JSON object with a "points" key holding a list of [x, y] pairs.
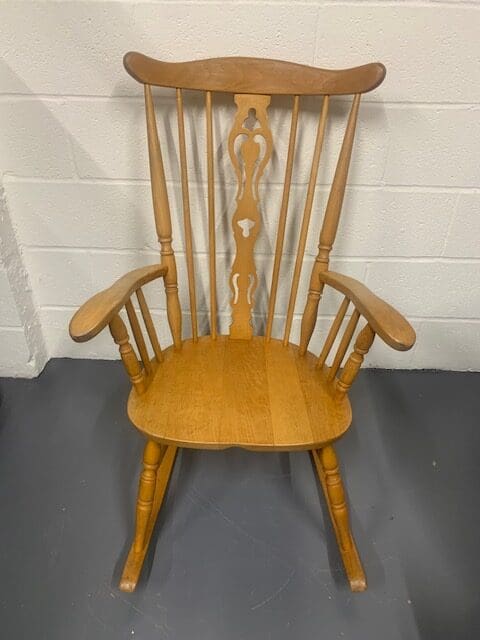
{"points": [[386, 321], [97, 312]]}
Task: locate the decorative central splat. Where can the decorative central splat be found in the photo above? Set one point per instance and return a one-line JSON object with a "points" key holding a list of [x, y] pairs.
{"points": [[250, 148]]}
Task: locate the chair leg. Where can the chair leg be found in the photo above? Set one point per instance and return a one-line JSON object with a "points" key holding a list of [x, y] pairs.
{"points": [[158, 463], [326, 464]]}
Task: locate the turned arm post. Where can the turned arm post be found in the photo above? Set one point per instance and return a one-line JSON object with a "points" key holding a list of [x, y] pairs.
{"points": [[120, 335], [362, 345]]}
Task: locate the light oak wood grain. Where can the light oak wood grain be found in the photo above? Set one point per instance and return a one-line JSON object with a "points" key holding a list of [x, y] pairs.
{"points": [[144, 529], [163, 221], [241, 390], [362, 345], [344, 342], [333, 332], [187, 222], [386, 321], [212, 259], [283, 216], [135, 373], [147, 318], [96, 313], [250, 124], [253, 75], [302, 240], [138, 336], [252, 394], [328, 472], [329, 228]]}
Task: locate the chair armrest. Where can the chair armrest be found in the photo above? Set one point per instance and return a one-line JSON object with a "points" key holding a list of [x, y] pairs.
{"points": [[99, 310], [386, 321]]}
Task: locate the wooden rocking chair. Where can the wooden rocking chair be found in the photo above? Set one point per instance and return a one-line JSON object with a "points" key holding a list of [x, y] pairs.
{"points": [[241, 390]]}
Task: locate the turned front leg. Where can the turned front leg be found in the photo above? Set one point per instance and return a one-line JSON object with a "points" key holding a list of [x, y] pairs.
{"points": [[146, 491], [336, 495]]}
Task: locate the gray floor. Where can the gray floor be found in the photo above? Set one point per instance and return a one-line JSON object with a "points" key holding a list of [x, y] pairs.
{"points": [[242, 549]]}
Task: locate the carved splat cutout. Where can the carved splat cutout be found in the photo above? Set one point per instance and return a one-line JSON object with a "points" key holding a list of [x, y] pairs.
{"points": [[245, 226], [250, 148]]}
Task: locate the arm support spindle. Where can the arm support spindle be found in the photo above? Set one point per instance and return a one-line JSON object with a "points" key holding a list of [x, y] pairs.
{"points": [[103, 309], [384, 320], [97, 312]]}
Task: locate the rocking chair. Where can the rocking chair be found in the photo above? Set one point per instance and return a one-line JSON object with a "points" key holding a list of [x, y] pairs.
{"points": [[244, 390]]}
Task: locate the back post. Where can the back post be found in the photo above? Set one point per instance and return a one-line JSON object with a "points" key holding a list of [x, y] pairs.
{"points": [[163, 222], [329, 228]]}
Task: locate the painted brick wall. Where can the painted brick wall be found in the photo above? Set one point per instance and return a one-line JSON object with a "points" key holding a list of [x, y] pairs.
{"points": [[73, 161]]}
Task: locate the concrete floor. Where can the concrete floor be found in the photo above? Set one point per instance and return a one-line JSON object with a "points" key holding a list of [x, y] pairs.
{"points": [[242, 549]]}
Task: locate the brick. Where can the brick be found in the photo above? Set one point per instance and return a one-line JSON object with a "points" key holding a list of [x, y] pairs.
{"points": [[107, 267], [428, 289], [182, 30], [66, 48], [34, 143], [439, 344], [433, 147], [109, 140], [379, 356], [91, 38], [55, 324], [388, 222], [8, 308], [464, 236], [59, 277], [80, 214], [64, 214], [431, 53], [413, 178], [70, 277], [382, 356], [394, 146], [15, 355], [448, 345]]}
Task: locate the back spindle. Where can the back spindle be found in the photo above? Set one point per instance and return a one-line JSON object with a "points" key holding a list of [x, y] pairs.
{"points": [[329, 228], [211, 216], [283, 216], [306, 217], [186, 215]]}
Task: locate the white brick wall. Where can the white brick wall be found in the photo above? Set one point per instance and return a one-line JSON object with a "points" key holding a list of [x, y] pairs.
{"points": [[73, 162], [22, 347]]}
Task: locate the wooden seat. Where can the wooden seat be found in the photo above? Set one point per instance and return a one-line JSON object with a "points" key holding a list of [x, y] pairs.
{"points": [[254, 391], [225, 393]]}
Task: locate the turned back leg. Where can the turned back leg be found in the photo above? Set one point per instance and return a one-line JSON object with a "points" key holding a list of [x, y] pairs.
{"points": [[326, 463], [158, 461]]}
